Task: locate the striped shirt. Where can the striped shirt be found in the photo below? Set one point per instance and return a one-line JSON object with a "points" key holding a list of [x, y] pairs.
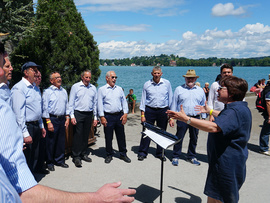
{"points": [[11, 154]]}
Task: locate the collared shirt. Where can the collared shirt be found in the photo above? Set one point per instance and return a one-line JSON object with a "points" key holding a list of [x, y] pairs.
{"points": [[55, 101], [189, 98], [5, 93], [213, 102], [12, 158], [156, 95], [111, 100], [26, 104], [7, 191], [83, 98]]}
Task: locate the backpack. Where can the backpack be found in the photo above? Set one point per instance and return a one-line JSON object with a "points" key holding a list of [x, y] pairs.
{"points": [[260, 101]]}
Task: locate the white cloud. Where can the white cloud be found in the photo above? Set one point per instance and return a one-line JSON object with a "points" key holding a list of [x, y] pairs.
{"points": [[250, 41], [226, 10], [117, 27]]}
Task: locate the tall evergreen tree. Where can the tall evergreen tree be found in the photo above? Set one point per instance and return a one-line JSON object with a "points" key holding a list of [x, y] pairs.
{"points": [[61, 42], [16, 19]]}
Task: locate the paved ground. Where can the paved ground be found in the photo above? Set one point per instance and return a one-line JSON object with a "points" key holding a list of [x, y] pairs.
{"points": [[184, 183]]}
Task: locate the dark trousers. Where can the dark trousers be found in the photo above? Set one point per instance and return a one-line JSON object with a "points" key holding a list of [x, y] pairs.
{"points": [[115, 124], [81, 133], [31, 152], [193, 137], [153, 115], [55, 141]]}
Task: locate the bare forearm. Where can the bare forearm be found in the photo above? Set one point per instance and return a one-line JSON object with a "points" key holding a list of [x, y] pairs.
{"points": [[45, 194], [204, 125]]}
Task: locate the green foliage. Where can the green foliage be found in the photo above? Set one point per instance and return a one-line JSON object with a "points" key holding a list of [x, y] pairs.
{"points": [[182, 61], [61, 42], [16, 19]]}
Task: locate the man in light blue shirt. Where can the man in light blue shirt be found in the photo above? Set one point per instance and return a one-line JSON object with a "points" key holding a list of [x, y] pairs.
{"points": [[55, 112], [26, 104], [189, 95], [156, 99], [82, 108], [4, 89], [112, 110], [7, 192], [13, 167]]}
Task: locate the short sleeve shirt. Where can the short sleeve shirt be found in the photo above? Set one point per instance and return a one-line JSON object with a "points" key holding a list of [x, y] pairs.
{"points": [[227, 152]]}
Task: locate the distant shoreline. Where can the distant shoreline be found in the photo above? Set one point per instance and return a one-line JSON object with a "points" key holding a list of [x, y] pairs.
{"points": [[137, 105]]}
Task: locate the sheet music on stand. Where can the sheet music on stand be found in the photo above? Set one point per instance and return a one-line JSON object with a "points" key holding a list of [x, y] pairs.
{"points": [[159, 136]]}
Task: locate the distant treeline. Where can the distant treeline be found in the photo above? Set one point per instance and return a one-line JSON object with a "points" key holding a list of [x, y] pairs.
{"points": [[173, 60]]}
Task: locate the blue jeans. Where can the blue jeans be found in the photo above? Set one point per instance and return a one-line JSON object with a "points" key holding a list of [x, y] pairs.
{"points": [[264, 136]]}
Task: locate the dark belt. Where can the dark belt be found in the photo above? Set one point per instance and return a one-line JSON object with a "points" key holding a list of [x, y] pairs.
{"points": [[116, 113], [84, 112], [33, 122], [55, 116], [156, 108]]}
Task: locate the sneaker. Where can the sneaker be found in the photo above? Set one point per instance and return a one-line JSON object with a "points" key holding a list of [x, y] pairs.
{"points": [[265, 153], [194, 161], [175, 161]]}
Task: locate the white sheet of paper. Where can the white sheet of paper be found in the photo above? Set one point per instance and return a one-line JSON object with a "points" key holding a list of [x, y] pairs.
{"points": [[159, 139]]}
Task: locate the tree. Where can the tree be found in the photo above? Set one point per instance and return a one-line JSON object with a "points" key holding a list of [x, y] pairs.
{"points": [[17, 20], [61, 42]]}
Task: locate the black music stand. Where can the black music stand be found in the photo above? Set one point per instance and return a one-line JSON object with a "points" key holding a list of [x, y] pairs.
{"points": [[164, 140]]}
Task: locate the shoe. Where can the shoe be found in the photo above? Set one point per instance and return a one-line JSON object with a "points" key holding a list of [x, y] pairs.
{"points": [[43, 171], [51, 167], [63, 165], [175, 161], [125, 158], [194, 161], [161, 158], [86, 158], [77, 163], [141, 158], [108, 159], [265, 153]]}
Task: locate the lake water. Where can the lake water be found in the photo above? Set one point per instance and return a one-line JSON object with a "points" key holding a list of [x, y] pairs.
{"points": [[135, 77]]}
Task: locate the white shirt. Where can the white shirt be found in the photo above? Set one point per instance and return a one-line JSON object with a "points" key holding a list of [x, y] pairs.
{"points": [[213, 102]]}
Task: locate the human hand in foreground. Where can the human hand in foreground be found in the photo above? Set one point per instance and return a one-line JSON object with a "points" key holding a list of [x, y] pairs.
{"points": [[124, 119], [73, 121], [171, 123], [95, 123], [103, 121], [202, 109], [43, 132], [181, 115], [111, 193], [28, 140]]}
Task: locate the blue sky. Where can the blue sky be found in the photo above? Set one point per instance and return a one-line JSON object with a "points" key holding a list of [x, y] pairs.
{"points": [[187, 28]]}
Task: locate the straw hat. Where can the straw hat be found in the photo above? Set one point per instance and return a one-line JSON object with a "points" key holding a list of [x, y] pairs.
{"points": [[191, 74]]}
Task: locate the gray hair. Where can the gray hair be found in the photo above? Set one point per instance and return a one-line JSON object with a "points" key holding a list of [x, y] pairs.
{"points": [[53, 73], [86, 71], [108, 74], [156, 68]]}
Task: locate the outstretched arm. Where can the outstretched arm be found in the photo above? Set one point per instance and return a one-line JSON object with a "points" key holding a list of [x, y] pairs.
{"points": [[204, 125], [107, 193]]}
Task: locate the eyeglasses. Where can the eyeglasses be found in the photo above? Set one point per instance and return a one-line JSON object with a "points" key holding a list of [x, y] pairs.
{"points": [[114, 77], [34, 69], [220, 88]]}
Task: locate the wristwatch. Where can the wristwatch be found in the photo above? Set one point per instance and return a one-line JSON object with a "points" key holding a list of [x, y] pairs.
{"points": [[189, 120]]}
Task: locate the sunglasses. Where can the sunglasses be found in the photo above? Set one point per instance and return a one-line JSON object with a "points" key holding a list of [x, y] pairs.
{"points": [[114, 77], [220, 88]]}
